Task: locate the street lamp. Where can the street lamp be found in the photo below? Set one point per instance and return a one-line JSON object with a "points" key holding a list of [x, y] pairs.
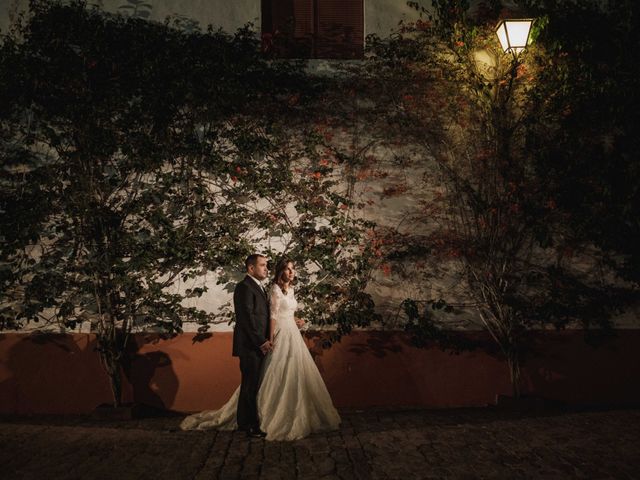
{"points": [[513, 34]]}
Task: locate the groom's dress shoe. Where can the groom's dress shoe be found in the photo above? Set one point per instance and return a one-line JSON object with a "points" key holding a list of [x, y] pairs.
{"points": [[256, 433]]}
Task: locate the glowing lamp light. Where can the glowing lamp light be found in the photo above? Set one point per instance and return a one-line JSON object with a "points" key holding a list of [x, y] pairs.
{"points": [[514, 34]]}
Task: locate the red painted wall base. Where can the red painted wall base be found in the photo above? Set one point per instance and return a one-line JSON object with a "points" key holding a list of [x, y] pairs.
{"points": [[61, 374]]}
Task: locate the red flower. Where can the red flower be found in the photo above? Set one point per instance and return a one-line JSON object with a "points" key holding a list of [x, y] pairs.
{"points": [[521, 70], [423, 25]]}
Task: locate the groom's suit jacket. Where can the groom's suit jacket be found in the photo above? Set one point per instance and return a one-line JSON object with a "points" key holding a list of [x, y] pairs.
{"points": [[252, 317]]}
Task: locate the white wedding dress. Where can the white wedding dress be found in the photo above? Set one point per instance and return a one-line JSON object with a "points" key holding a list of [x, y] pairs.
{"points": [[293, 400]]}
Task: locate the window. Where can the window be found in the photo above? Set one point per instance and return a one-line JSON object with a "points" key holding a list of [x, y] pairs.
{"points": [[313, 28]]}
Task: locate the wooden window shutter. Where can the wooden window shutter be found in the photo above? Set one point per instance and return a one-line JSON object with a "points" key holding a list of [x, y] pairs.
{"points": [[303, 18], [274, 14], [340, 29], [277, 21], [288, 27], [313, 28], [304, 29]]}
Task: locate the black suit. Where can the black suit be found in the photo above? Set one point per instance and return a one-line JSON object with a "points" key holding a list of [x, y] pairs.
{"points": [[250, 332]]}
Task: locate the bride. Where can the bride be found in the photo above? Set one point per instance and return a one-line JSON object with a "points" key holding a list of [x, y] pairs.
{"points": [[293, 400]]}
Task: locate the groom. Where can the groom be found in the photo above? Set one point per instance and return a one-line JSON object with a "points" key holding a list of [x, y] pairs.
{"points": [[251, 340]]}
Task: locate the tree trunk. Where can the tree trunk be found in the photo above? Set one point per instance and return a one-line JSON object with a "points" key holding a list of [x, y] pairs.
{"points": [[112, 368], [513, 360]]}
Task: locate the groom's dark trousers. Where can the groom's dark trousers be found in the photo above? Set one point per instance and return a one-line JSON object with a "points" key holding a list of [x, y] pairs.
{"points": [[250, 332]]}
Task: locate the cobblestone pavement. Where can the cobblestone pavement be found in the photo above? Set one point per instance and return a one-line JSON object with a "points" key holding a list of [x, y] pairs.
{"points": [[467, 443]]}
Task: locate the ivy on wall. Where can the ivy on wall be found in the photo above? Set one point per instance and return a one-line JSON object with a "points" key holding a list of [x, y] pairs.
{"points": [[138, 156]]}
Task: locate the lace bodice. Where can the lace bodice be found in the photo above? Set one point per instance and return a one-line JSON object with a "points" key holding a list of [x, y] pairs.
{"points": [[283, 307]]}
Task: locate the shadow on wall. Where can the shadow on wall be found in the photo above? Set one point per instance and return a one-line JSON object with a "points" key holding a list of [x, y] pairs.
{"points": [[151, 374], [59, 373], [378, 344], [562, 366], [558, 366], [50, 372]]}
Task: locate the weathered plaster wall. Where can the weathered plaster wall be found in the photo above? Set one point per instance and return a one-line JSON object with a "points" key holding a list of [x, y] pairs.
{"points": [[380, 15]]}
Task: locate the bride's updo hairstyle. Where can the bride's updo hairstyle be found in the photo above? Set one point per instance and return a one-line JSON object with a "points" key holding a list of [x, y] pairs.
{"points": [[281, 266]]}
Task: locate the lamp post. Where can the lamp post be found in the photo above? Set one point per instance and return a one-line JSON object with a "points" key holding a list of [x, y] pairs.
{"points": [[513, 34]]}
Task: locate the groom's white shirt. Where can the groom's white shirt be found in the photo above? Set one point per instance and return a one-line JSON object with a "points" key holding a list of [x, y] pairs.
{"points": [[257, 281]]}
